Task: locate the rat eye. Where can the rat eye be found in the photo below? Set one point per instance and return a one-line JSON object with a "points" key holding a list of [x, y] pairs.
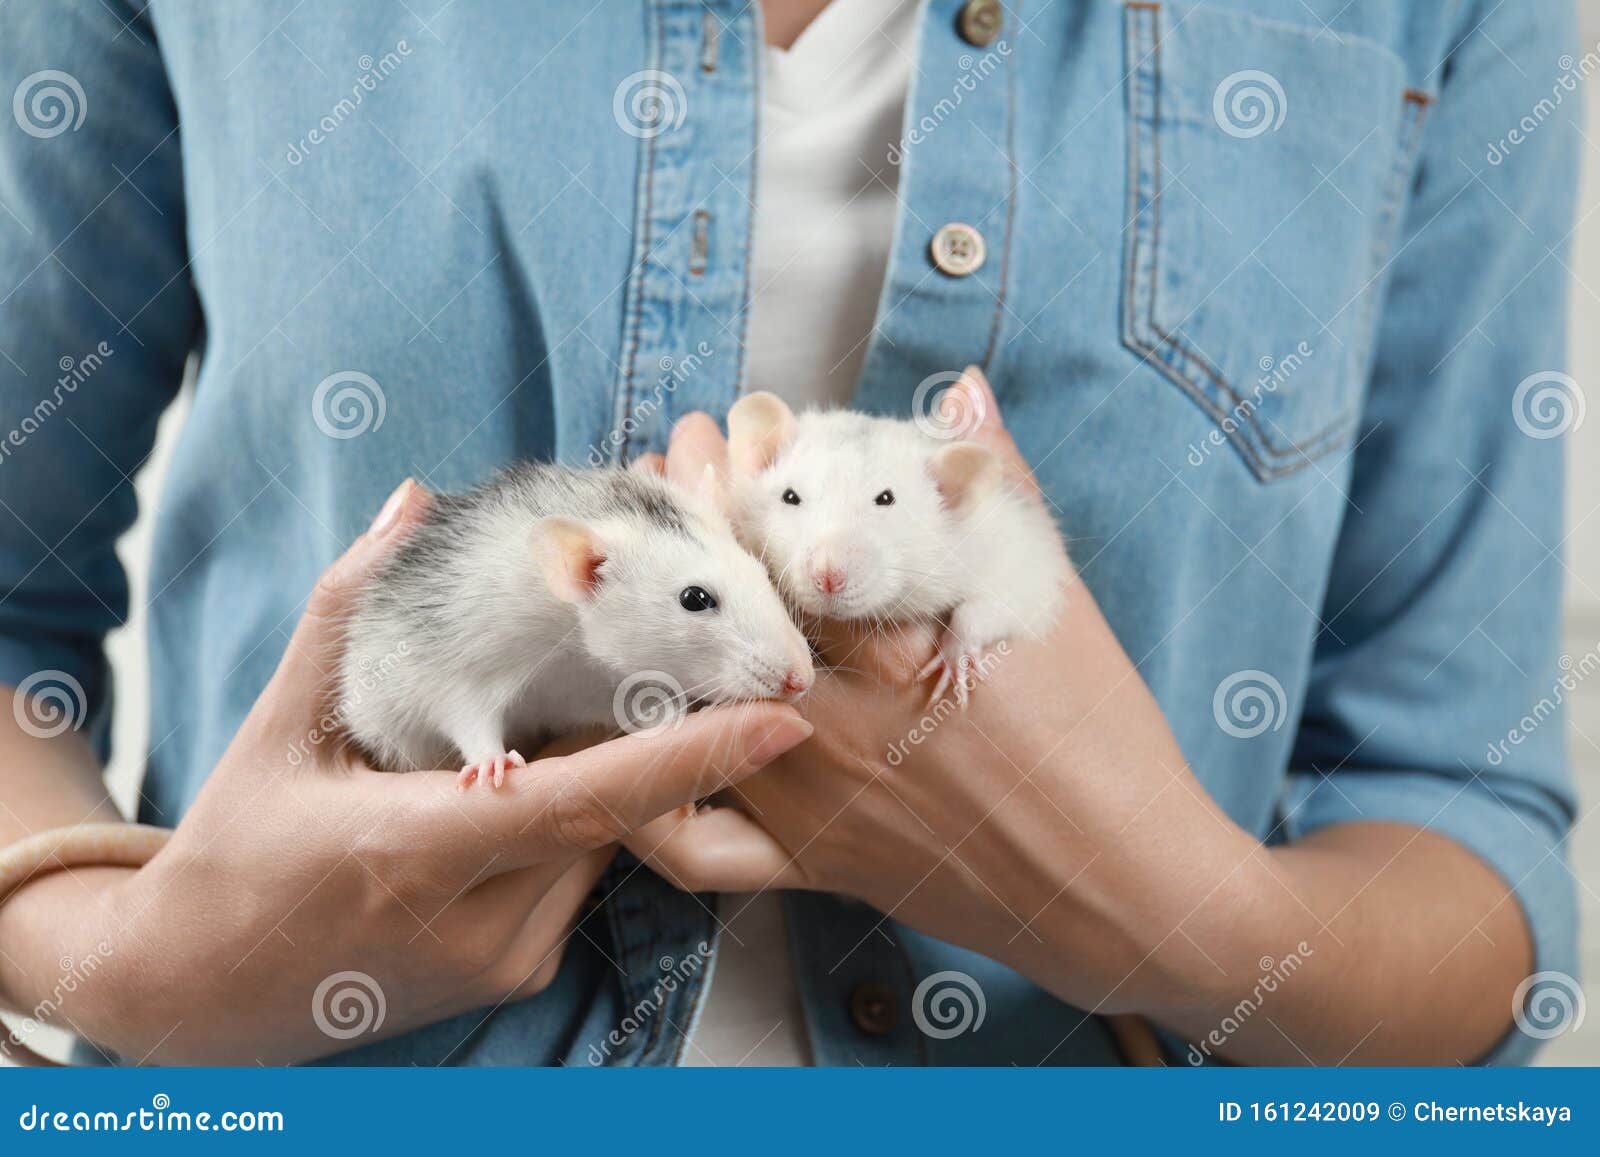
{"points": [[791, 498], [695, 599], [885, 498]]}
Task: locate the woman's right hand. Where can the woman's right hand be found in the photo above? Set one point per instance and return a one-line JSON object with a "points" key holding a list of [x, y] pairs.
{"points": [[296, 862]]}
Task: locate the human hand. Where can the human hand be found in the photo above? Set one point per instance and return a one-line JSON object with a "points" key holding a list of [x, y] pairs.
{"points": [[1052, 825], [297, 862]]}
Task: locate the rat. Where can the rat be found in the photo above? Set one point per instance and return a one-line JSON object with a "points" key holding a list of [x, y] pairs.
{"points": [[552, 599], [872, 518]]}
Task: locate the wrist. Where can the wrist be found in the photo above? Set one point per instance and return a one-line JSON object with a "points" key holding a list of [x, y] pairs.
{"points": [[1239, 925], [1246, 941], [59, 948], [1167, 927]]}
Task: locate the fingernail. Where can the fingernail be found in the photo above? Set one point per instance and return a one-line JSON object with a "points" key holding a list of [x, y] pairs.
{"points": [[784, 735], [978, 398], [389, 516], [952, 400]]}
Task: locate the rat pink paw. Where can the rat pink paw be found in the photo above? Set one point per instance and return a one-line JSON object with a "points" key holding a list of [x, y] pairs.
{"points": [[491, 771], [957, 669]]}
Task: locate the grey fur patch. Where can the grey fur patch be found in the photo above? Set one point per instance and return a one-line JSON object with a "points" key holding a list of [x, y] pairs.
{"points": [[420, 578]]}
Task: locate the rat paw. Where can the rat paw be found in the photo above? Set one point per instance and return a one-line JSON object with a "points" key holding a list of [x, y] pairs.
{"points": [[956, 666], [491, 771]]}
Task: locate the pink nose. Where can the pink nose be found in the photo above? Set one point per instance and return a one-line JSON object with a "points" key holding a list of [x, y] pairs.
{"points": [[796, 683], [827, 579]]}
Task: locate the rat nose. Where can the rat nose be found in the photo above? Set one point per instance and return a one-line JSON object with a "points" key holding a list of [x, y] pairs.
{"points": [[828, 579], [826, 575], [796, 683]]}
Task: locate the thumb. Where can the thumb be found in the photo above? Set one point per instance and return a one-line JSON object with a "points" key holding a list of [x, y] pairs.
{"points": [[310, 663], [569, 804], [976, 408]]}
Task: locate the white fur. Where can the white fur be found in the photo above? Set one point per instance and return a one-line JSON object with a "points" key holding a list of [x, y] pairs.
{"points": [[992, 564], [465, 651]]}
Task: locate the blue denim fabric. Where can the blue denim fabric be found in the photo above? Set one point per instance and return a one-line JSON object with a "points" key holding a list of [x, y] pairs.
{"points": [[1264, 369]]}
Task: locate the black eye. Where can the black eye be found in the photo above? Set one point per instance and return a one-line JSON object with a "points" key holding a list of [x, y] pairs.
{"points": [[885, 498], [696, 599], [790, 497]]}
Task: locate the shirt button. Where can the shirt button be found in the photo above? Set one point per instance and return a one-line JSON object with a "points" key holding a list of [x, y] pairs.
{"points": [[980, 22], [874, 1008], [958, 249]]}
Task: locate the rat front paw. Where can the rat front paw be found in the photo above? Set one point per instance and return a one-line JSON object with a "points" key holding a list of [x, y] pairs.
{"points": [[490, 770], [956, 668]]}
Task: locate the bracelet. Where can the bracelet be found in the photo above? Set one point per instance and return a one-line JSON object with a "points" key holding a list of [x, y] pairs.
{"points": [[84, 846]]}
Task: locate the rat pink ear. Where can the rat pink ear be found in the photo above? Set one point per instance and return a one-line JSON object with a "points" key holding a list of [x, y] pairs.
{"points": [[569, 554], [964, 472], [760, 427]]}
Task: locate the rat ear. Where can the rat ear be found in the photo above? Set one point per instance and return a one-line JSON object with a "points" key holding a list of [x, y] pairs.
{"points": [[964, 472], [569, 554], [760, 427]]}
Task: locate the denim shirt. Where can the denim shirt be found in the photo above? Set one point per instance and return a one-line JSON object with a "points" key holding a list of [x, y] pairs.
{"points": [[1272, 296]]}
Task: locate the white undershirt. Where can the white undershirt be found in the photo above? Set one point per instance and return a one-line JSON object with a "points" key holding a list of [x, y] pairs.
{"points": [[831, 110]]}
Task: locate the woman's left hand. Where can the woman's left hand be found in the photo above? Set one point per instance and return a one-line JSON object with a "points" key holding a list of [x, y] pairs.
{"points": [[1053, 825]]}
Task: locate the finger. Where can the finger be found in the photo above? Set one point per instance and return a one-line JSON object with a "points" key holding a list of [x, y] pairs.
{"points": [[890, 653], [570, 804], [520, 890], [651, 463], [719, 849], [573, 742], [311, 660], [696, 442], [974, 401], [534, 955]]}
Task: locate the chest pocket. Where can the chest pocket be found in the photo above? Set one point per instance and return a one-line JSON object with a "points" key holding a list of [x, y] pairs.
{"points": [[1267, 166]]}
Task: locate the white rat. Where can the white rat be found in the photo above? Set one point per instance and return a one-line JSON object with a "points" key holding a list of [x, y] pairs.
{"points": [[860, 517], [550, 599]]}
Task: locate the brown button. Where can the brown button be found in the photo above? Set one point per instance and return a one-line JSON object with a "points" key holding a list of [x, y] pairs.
{"points": [[875, 1008], [957, 249], [980, 22]]}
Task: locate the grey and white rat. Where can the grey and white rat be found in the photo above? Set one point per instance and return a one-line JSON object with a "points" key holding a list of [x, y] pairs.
{"points": [[862, 517], [551, 599]]}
